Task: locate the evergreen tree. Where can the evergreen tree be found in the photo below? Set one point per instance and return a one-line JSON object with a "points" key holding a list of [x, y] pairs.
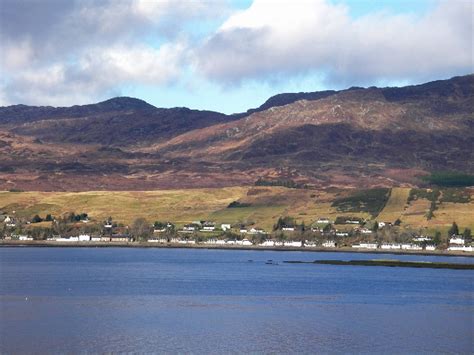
{"points": [[453, 230], [467, 235], [36, 219]]}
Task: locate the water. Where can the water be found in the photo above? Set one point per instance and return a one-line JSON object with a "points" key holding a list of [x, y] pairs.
{"points": [[70, 300]]}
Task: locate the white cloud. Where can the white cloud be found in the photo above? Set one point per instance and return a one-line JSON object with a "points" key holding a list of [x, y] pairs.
{"points": [[281, 38], [50, 51], [70, 52], [98, 73]]}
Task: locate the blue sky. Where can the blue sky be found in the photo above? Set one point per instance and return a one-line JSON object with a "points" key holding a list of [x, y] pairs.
{"points": [[227, 56]]}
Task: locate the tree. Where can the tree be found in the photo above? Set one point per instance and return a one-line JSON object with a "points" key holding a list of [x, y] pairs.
{"points": [[327, 228], [140, 230], [375, 227], [437, 238], [36, 219], [453, 230], [397, 222], [48, 218], [467, 235]]}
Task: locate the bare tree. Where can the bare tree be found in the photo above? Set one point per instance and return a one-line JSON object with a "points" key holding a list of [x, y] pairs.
{"points": [[141, 229]]}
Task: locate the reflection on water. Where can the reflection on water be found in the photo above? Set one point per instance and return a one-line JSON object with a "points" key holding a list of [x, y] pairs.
{"points": [[214, 301]]}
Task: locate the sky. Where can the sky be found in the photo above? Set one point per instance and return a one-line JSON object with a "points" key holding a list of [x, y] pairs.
{"points": [[228, 55]]}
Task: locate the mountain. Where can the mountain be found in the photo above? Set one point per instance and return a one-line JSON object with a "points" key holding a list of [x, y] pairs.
{"points": [[116, 122], [354, 137]]}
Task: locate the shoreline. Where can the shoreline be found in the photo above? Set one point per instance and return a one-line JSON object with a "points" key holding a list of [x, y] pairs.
{"points": [[43, 244]]}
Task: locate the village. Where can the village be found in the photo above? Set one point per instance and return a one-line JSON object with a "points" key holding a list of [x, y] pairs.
{"points": [[356, 234]]}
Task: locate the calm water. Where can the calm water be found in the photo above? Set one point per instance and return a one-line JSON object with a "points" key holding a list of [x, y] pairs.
{"points": [[69, 300]]}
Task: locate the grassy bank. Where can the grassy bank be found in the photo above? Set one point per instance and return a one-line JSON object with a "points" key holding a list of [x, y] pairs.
{"points": [[262, 206]]}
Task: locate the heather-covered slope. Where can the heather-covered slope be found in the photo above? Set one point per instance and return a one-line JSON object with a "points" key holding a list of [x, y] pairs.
{"points": [[355, 137]]}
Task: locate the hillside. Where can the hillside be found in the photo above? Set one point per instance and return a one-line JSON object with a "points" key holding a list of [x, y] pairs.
{"points": [[356, 137]]}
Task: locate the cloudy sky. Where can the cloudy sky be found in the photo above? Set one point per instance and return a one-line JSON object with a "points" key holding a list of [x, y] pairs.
{"points": [[224, 55]]}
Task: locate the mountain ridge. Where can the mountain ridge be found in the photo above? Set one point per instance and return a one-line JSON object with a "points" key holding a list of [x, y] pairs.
{"points": [[355, 137]]}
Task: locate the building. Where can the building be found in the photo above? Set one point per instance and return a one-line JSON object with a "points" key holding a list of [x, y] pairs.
{"points": [[288, 229], [421, 239], [329, 244], [430, 247], [208, 227], [225, 226], [67, 239], [96, 239], [267, 243], [190, 227], [323, 220], [244, 242], [411, 247], [293, 244], [365, 246], [158, 240], [84, 238], [456, 239], [24, 237], [120, 238], [256, 231], [391, 246]]}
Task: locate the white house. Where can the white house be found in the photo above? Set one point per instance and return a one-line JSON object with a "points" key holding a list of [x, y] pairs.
{"points": [[323, 220], [244, 242], [293, 244], [391, 246], [288, 229], [84, 238], [208, 228], [329, 244], [256, 231], [310, 244], [430, 247], [365, 246], [108, 225], [243, 230], [342, 234], [456, 239], [267, 243], [189, 228], [225, 226], [67, 239], [25, 237], [158, 240], [95, 239], [365, 231], [411, 247], [421, 239]]}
